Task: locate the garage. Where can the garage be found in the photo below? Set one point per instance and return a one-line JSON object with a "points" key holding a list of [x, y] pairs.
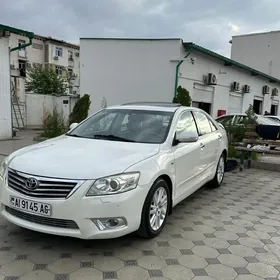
{"points": [[202, 97], [235, 103]]}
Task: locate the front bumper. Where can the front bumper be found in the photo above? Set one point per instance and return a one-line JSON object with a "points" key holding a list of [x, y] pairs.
{"points": [[82, 210]]}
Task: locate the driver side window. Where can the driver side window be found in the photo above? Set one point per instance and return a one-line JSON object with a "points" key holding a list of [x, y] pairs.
{"points": [[186, 123]]}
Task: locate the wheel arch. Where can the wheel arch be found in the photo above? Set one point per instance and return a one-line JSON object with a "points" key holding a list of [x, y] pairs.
{"points": [[168, 180]]}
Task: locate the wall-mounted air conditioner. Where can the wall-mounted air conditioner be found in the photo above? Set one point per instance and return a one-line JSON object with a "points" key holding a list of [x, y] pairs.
{"points": [[210, 79], [275, 92], [235, 86], [246, 89], [266, 89], [55, 58]]}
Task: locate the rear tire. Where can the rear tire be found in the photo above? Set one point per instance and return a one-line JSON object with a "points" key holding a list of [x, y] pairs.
{"points": [[155, 210], [220, 173]]}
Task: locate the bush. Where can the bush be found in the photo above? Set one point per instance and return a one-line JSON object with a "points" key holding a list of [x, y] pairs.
{"points": [[53, 125], [182, 97], [80, 111]]}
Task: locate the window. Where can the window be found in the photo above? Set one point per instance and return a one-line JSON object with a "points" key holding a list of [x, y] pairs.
{"points": [[225, 120], [21, 52], [202, 123], [22, 68], [58, 70], [58, 51], [70, 55], [239, 119], [186, 123], [212, 125], [70, 72]]}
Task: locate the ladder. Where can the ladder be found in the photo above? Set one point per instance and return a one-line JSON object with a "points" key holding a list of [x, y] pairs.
{"points": [[15, 104]]}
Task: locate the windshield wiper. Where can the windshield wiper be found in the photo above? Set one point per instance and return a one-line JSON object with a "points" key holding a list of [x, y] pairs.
{"points": [[74, 135], [111, 137]]}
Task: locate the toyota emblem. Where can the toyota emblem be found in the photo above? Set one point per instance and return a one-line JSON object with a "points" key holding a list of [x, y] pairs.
{"points": [[31, 183]]}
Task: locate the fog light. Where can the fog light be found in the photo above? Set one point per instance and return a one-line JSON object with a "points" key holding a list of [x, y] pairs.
{"points": [[110, 223]]}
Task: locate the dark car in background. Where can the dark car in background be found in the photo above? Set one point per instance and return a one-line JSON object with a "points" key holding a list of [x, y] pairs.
{"points": [[267, 128]]}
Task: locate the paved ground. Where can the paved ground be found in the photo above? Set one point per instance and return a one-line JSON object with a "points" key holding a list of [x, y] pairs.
{"points": [[229, 233]]}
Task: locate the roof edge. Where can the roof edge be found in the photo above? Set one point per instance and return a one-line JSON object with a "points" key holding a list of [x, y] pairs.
{"points": [[17, 31], [230, 61], [256, 33]]}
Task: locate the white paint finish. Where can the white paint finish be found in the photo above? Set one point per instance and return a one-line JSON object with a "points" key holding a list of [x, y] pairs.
{"points": [[192, 74], [85, 160], [128, 70], [260, 51], [39, 105], [5, 91]]}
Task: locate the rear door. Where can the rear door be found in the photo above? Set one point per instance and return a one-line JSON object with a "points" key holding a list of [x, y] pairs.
{"points": [[209, 142]]}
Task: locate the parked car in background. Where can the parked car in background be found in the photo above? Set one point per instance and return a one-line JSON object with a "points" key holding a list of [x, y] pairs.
{"points": [[121, 170], [275, 118], [267, 128]]}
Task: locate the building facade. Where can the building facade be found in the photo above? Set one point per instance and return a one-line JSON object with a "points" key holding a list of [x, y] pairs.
{"points": [[259, 50], [127, 70], [62, 56]]}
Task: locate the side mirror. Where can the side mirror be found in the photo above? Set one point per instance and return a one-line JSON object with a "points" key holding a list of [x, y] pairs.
{"points": [[73, 125], [187, 137]]}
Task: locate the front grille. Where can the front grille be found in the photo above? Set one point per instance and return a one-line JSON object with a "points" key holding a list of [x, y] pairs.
{"points": [[47, 187], [59, 223]]}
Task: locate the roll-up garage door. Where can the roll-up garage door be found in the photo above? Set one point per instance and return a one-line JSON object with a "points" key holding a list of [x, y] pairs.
{"points": [[235, 104]]}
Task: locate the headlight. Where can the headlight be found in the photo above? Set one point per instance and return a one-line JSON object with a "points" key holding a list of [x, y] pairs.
{"points": [[114, 184], [3, 166]]}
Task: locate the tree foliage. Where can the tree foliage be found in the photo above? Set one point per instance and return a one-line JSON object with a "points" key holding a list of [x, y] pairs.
{"points": [[53, 125], [45, 81], [80, 110], [182, 97]]}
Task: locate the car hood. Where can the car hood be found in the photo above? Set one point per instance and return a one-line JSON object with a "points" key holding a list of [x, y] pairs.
{"points": [[79, 158]]}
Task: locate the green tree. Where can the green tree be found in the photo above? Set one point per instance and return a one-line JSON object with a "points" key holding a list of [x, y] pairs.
{"points": [[182, 97], [45, 81], [80, 110]]}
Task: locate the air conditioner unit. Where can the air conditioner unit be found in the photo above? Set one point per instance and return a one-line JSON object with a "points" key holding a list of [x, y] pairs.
{"points": [[266, 89], [77, 54], [210, 79], [275, 92], [74, 75], [246, 89], [235, 86], [13, 66], [55, 58]]}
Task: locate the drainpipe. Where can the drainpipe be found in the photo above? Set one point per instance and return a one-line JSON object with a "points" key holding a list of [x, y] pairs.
{"points": [[177, 70], [30, 37]]}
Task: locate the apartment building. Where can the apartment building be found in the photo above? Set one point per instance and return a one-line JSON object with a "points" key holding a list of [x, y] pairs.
{"points": [[47, 52]]}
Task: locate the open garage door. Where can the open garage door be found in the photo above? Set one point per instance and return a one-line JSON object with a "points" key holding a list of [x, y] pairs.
{"points": [[235, 103]]}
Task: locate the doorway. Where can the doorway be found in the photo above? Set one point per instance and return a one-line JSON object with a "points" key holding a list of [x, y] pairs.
{"points": [[257, 106], [203, 106], [274, 109]]}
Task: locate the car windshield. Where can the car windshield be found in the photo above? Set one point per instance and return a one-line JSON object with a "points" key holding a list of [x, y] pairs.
{"points": [[140, 126]]}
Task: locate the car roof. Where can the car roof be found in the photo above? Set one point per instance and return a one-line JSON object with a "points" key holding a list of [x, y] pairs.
{"points": [[153, 106]]}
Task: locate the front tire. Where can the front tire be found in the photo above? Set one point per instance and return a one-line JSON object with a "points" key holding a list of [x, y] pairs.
{"points": [[220, 173], [155, 210]]}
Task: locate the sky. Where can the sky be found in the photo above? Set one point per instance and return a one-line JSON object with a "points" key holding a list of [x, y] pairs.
{"points": [[207, 23]]}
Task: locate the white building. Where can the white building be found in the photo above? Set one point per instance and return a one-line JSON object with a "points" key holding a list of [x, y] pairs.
{"points": [[6, 128], [126, 70], [258, 50]]}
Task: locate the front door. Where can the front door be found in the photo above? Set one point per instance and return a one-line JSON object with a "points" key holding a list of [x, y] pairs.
{"points": [[187, 159]]}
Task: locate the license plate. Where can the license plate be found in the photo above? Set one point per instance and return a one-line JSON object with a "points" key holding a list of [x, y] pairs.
{"points": [[30, 206]]}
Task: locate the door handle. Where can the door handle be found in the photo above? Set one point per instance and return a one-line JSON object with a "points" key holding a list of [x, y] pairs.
{"points": [[202, 145]]}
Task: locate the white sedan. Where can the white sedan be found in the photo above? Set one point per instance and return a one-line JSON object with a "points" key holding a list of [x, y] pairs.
{"points": [[121, 170]]}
